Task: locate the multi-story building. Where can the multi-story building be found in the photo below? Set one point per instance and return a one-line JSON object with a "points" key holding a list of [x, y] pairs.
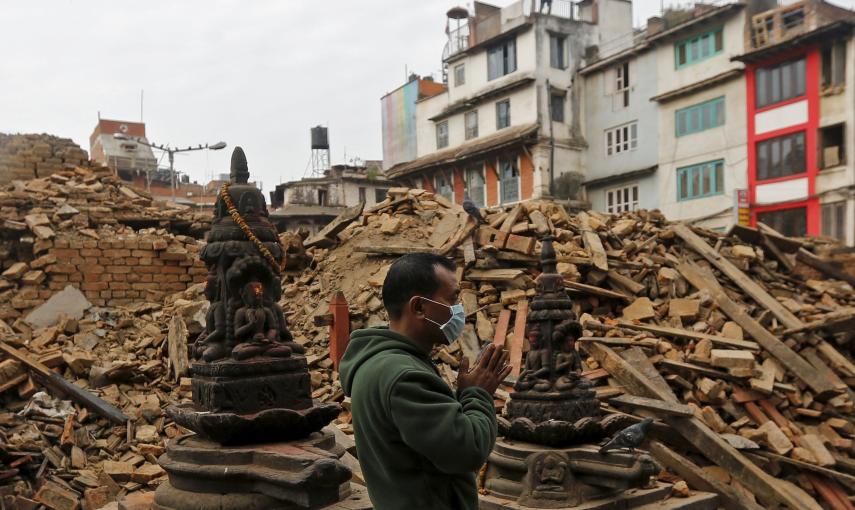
{"points": [[131, 161], [701, 99], [508, 127], [312, 202], [621, 125], [398, 109], [800, 115]]}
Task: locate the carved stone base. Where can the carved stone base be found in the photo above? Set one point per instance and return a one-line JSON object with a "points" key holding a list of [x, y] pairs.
{"points": [[252, 385], [541, 407], [539, 477], [639, 499], [299, 474]]}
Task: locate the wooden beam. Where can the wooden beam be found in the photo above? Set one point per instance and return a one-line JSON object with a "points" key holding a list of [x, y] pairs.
{"points": [[519, 337], [57, 385], [691, 335], [716, 449], [502, 328], [493, 275], [596, 291], [626, 342], [786, 356], [392, 249], [745, 283], [823, 266], [625, 282], [592, 243], [681, 366], [655, 405], [699, 479]]}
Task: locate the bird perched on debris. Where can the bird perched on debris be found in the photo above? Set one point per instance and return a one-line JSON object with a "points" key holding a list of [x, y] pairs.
{"points": [[630, 437], [472, 209]]}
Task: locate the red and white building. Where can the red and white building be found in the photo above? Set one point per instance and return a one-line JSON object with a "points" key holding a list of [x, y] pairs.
{"points": [[801, 112]]}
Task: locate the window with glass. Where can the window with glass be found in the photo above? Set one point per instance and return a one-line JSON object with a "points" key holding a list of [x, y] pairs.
{"points": [[470, 120], [700, 117], [699, 47], [622, 139], [557, 51], [474, 179], [622, 199], [459, 75], [442, 134], [622, 85], [444, 186], [833, 218], [781, 156], [779, 82], [789, 222], [556, 106], [509, 180], [501, 59], [503, 114], [701, 180]]}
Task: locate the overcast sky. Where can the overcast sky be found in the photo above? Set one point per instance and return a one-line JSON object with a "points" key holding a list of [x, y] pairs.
{"points": [[254, 73]]}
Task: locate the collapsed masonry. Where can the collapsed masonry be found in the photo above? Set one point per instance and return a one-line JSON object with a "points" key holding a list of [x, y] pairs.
{"points": [[739, 345], [29, 156], [735, 336]]}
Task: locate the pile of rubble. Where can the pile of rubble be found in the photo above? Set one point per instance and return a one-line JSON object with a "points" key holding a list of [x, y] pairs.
{"points": [[37, 155], [61, 453], [84, 227], [748, 332]]}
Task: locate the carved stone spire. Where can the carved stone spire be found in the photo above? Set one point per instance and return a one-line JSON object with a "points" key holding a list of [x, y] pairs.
{"points": [[239, 168]]}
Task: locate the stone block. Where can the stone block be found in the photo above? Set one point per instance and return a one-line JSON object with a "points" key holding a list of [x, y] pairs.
{"points": [[727, 358]]}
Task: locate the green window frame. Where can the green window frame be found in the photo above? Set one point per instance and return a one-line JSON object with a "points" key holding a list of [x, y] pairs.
{"points": [[699, 117], [701, 180], [700, 47]]}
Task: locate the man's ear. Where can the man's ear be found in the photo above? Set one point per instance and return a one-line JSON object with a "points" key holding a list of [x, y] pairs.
{"points": [[417, 306]]}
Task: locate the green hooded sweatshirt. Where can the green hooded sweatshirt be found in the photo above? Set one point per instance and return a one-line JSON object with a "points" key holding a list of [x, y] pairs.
{"points": [[420, 444]]}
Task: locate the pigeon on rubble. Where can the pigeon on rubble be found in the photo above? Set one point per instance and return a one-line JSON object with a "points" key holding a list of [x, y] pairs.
{"points": [[472, 209], [630, 437]]}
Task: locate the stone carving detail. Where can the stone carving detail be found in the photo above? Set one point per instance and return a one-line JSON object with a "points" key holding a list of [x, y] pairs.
{"points": [[550, 387], [251, 383]]}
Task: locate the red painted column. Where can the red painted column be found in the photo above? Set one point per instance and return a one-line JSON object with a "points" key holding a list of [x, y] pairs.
{"points": [[339, 329], [459, 185], [427, 184], [492, 182]]}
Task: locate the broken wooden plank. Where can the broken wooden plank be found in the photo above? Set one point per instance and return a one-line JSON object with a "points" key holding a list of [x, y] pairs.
{"points": [[699, 434], [786, 356], [446, 228], [636, 357], [627, 342], [824, 267], [592, 243], [502, 328], [625, 282], [392, 249], [595, 291], [493, 275], [748, 285], [519, 338], [57, 384], [691, 335], [326, 237], [654, 405], [699, 479]]}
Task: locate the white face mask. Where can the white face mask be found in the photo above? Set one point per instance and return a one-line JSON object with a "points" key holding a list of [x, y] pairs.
{"points": [[454, 326]]}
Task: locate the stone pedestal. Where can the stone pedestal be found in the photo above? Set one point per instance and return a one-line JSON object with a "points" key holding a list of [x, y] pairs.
{"points": [[204, 475]]}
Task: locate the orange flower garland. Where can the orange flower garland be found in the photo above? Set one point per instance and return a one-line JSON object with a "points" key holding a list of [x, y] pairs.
{"points": [[230, 206]]}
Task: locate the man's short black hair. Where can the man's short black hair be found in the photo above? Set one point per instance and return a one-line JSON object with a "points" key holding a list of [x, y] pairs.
{"points": [[411, 275]]}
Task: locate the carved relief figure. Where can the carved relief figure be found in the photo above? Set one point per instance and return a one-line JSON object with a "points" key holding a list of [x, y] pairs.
{"points": [[256, 326], [535, 376]]}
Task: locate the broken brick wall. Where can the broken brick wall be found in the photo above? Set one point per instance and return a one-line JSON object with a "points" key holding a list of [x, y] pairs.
{"points": [[37, 155], [111, 270]]}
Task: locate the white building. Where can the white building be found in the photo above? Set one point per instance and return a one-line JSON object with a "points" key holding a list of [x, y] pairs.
{"points": [[511, 112]]}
